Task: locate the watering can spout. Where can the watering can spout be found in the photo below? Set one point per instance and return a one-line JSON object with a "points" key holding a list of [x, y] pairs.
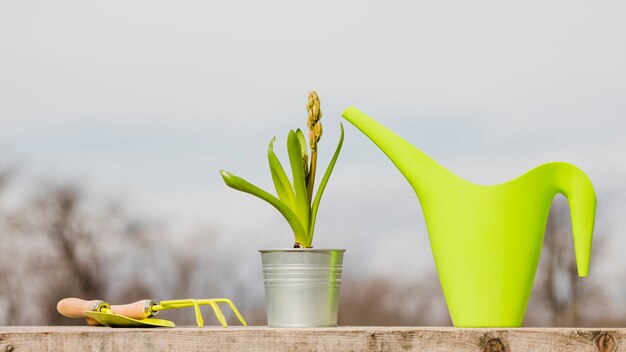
{"points": [[417, 167]]}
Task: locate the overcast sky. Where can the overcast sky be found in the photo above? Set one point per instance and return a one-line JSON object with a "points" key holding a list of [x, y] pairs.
{"points": [[146, 100]]}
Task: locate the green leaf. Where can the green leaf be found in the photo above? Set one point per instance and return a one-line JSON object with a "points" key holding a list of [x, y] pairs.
{"points": [[304, 149], [281, 182], [299, 183], [322, 186], [238, 183]]}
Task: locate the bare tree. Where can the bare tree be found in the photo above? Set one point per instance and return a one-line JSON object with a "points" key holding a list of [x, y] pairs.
{"points": [[8, 298], [386, 302], [59, 246], [71, 264], [65, 244]]}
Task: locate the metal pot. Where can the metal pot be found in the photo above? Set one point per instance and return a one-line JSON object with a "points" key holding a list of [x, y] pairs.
{"points": [[302, 286]]}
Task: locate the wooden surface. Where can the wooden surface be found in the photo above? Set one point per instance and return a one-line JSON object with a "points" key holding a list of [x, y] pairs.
{"points": [[334, 339]]}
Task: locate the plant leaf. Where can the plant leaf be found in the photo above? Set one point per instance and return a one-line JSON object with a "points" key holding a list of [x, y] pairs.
{"points": [[281, 182], [238, 183], [304, 150], [299, 183], [322, 186]]}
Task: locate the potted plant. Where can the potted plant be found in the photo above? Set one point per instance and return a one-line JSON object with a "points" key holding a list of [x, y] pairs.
{"points": [[301, 283]]}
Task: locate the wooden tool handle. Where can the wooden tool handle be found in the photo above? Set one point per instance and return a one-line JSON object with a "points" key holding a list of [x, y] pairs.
{"points": [[137, 310], [76, 307]]}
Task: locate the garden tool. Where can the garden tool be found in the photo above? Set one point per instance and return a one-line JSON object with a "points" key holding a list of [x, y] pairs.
{"points": [[101, 312], [141, 311], [196, 303]]}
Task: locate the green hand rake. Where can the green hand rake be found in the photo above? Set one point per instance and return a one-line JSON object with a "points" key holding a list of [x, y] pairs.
{"points": [[140, 313]]}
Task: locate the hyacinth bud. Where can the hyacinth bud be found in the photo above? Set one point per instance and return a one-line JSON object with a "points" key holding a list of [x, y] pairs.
{"points": [[318, 132], [314, 117]]}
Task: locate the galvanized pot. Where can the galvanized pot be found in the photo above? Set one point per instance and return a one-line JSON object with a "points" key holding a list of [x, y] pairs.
{"points": [[302, 286]]}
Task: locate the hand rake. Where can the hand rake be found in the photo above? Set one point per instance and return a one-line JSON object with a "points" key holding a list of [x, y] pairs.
{"points": [[140, 313]]}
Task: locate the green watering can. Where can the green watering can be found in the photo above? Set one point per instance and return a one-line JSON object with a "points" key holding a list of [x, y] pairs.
{"points": [[486, 240]]}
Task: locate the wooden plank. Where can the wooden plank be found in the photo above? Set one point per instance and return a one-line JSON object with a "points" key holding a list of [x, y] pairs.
{"points": [[333, 339]]}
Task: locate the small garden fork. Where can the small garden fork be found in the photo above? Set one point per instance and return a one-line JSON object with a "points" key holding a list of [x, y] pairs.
{"points": [[140, 313]]}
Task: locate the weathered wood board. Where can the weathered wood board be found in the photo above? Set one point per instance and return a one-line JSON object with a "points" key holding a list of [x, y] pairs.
{"points": [[340, 339]]}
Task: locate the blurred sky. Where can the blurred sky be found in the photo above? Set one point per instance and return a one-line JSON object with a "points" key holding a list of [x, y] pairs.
{"points": [[144, 101]]}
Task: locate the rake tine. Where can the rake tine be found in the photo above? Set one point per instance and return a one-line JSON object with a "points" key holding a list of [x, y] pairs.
{"points": [[233, 308], [199, 319], [218, 313]]}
